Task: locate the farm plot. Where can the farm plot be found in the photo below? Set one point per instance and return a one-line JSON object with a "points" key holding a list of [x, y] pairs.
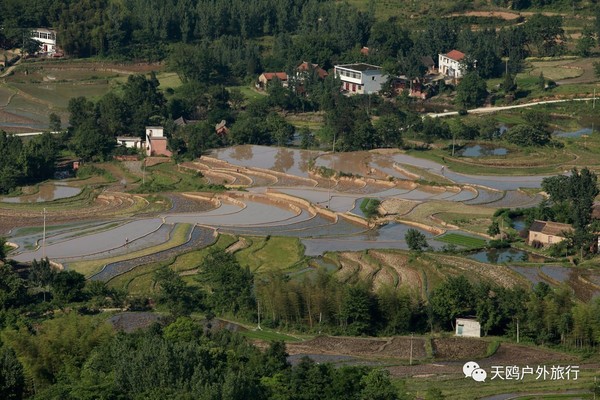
{"points": [[271, 254]]}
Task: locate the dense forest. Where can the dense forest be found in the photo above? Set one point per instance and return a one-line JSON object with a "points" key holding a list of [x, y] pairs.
{"points": [[75, 354]]}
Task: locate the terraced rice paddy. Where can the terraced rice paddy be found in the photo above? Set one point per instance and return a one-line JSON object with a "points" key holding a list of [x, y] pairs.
{"points": [[115, 245], [198, 238]]}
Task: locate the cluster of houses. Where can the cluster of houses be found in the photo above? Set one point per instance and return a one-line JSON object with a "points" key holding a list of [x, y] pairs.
{"points": [[154, 145], [362, 78]]}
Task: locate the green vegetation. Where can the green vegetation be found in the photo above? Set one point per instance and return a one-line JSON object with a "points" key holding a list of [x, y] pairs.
{"points": [[370, 207], [272, 253], [469, 242]]}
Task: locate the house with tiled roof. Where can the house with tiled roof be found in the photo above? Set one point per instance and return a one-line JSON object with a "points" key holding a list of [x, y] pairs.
{"points": [[450, 64], [267, 77], [307, 68], [547, 232]]}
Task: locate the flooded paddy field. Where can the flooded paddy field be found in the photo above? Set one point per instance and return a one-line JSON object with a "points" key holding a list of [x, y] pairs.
{"points": [[199, 237], [95, 242], [46, 192], [255, 209]]}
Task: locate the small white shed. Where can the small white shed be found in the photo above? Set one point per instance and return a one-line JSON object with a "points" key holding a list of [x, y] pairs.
{"points": [[468, 327]]}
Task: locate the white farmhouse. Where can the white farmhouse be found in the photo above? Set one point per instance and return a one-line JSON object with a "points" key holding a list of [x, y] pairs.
{"points": [[47, 39], [360, 78], [450, 64], [468, 327]]}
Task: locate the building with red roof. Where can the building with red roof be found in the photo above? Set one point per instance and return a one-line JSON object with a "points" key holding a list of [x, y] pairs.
{"points": [[450, 64], [267, 77]]}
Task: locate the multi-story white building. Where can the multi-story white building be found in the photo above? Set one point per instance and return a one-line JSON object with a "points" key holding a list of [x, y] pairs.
{"points": [[450, 64], [47, 39], [360, 78]]}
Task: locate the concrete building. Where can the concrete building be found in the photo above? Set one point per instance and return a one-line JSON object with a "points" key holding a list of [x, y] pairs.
{"points": [[468, 327], [450, 64], [547, 232], [130, 142], [47, 38], [360, 78], [156, 142]]}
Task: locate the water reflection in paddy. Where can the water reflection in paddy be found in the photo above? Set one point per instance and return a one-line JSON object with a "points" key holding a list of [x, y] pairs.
{"points": [[95, 242], [498, 256], [45, 193], [291, 161], [390, 236], [254, 213], [574, 134], [481, 151]]}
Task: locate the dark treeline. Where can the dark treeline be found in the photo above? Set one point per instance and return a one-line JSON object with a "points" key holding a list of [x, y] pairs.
{"points": [[81, 357], [26, 162], [52, 345], [231, 32], [321, 303], [546, 316]]}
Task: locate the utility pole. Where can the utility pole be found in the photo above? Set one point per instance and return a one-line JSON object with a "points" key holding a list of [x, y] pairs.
{"points": [[258, 304], [44, 237], [143, 171], [453, 140], [411, 348]]}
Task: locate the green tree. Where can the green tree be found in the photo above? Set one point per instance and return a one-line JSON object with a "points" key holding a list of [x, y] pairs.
{"points": [[415, 240], [55, 124], [41, 275], [12, 377], [471, 91], [509, 84], [541, 81], [388, 130], [356, 310], [546, 34], [585, 43], [453, 298], [525, 135], [67, 286], [173, 292], [493, 229], [230, 284], [281, 130], [378, 386], [31, 46], [12, 288], [59, 347]]}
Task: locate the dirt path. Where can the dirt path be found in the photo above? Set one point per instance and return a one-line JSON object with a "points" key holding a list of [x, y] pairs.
{"points": [[484, 110], [10, 69]]}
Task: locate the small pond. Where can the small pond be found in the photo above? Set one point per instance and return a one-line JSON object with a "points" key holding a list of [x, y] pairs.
{"points": [[45, 193], [519, 224], [478, 150], [574, 134], [498, 256]]}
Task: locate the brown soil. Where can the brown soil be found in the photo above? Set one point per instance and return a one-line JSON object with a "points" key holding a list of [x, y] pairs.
{"points": [[396, 347], [514, 354], [134, 68], [490, 14], [458, 348]]}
